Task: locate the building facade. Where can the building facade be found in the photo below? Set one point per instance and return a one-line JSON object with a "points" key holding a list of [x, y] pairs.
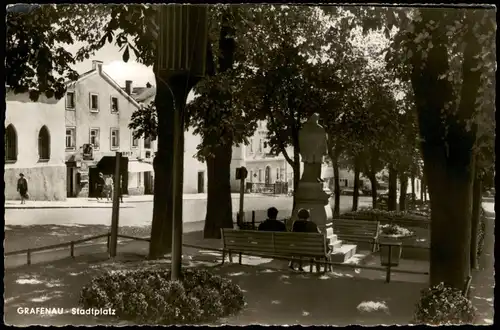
{"points": [[195, 172], [263, 166], [33, 135], [97, 114]]}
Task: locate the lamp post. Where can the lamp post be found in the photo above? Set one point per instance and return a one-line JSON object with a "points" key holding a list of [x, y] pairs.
{"points": [[180, 64]]}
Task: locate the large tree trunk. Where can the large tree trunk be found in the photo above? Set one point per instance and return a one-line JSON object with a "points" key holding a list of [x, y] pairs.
{"points": [[296, 174], [334, 157], [355, 194], [161, 228], [413, 189], [448, 156], [477, 197], [422, 188], [392, 202], [373, 181], [219, 203], [402, 196]]}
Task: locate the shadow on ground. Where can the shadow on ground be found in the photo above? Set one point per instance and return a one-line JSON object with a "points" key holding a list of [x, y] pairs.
{"points": [[274, 296]]}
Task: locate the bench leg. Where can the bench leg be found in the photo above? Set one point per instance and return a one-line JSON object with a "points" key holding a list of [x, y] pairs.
{"points": [[230, 257], [239, 259], [223, 257], [311, 265]]}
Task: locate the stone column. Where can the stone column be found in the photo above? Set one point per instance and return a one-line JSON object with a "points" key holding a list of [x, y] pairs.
{"points": [[310, 194]]}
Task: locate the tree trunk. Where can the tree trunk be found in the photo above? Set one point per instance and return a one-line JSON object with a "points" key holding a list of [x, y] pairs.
{"points": [[476, 217], [219, 202], [422, 188], [355, 194], [336, 178], [161, 228], [392, 202], [413, 189], [447, 149], [402, 195], [296, 174], [373, 182]]}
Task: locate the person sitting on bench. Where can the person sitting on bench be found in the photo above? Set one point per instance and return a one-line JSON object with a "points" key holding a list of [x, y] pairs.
{"points": [[271, 223], [303, 225]]}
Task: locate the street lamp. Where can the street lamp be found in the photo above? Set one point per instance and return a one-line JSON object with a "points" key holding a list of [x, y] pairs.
{"points": [[180, 64]]}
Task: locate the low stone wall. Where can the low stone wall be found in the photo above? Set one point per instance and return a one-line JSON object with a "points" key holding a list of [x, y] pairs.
{"points": [[45, 183]]}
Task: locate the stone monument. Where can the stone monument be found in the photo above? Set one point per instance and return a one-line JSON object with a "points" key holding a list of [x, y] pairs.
{"points": [[310, 194]]}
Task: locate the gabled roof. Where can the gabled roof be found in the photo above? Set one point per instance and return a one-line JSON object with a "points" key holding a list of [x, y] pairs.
{"points": [[109, 80]]}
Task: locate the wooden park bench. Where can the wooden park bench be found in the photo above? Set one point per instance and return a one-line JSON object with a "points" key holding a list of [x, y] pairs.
{"points": [[312, 246], [357, 231]]}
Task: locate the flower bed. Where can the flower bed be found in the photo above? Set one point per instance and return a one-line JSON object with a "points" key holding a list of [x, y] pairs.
{"points": [[150, 297], [395, 231]]}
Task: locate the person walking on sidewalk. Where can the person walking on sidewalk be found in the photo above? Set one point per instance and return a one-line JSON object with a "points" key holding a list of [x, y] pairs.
{"points": [[109, 188], [100, 186], [22, 188]]}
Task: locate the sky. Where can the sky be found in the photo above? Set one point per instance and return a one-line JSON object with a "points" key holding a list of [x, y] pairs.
{"points": [[114, 66]]}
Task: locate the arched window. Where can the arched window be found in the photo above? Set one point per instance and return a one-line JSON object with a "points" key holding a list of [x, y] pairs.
{"points": [[10, 144], [44, 143]]}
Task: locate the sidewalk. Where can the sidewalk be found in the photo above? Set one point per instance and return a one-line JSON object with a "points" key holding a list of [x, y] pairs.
{"points": [[128, 201]]}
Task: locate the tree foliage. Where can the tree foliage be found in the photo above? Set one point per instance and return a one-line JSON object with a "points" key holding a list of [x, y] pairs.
{"points": [[36, 59]]}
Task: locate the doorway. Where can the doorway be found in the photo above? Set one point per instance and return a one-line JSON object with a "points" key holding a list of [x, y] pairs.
{"points": [[268, 175], [201, 182]]}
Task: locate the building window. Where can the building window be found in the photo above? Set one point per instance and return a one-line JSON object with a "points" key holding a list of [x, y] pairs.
{"points": [[135, 141], [70, 100], [260, 175], [260, 145], [115, 138], [251, 145], [277, 173], [10, 144], [251, 176], [70, 138], [147, 143], [44, 144], [94, 102], [94, 138], [114, 104]]}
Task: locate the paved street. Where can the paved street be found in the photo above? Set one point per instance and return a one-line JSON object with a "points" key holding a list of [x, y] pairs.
{"points": [[141, 213]]}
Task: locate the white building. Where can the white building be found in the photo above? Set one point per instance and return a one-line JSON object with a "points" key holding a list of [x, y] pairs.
{"points": [[98, 112], [34, 132], [195, 173]]}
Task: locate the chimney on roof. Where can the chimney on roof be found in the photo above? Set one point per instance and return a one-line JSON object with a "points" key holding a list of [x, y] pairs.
{"points": [[128, 87], [97, 65]]}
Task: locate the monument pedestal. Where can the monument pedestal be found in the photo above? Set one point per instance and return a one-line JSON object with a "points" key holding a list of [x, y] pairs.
{"points": [[310, 196]]}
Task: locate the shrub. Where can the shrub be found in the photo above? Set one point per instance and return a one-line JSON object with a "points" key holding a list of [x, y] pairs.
{"points": [[149, 296], [441, 305]]}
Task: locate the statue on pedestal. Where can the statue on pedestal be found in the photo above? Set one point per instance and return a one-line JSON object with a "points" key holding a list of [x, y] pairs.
{"points": [[310, 194]]}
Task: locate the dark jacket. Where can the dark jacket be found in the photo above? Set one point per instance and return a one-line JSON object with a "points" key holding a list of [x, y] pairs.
{"points": [[304, 226], [22, 185], [100, 183], [272, 225]]}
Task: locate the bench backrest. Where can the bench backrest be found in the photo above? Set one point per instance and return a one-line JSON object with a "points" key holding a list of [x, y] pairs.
{"points": [[274, 243], [304, 244], [356, 227]]}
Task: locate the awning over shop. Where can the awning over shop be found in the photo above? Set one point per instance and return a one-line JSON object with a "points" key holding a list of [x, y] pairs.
{"points": [[137, 167], [107, 164]]}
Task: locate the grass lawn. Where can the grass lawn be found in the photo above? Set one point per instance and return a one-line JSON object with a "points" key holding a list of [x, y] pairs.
{"points": [[274, 296]]}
